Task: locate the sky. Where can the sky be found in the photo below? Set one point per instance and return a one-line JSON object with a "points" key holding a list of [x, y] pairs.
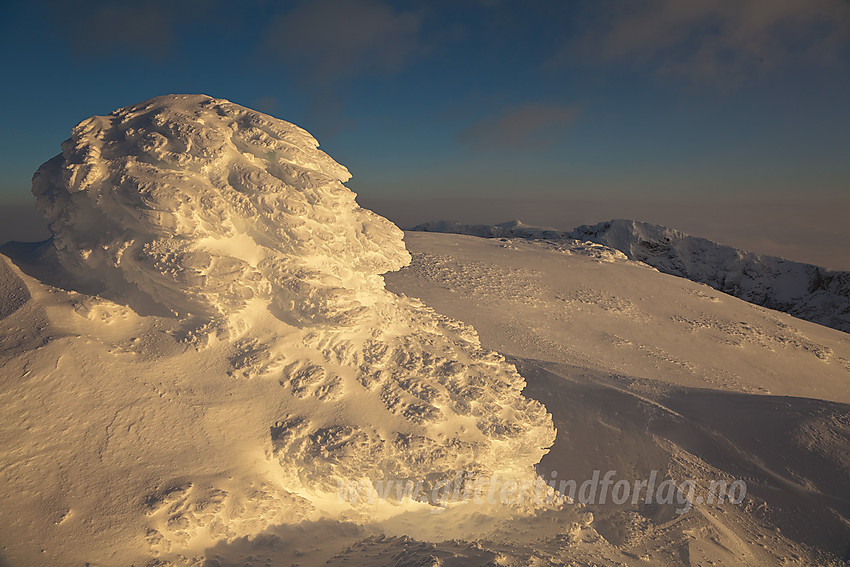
{"points": [[659, 109]]}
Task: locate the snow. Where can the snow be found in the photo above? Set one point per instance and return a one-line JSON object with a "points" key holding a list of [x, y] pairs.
{"points": [[806, 291], [620, 316], [217, 350], [196, 205], [645, 372], [218, 337]]}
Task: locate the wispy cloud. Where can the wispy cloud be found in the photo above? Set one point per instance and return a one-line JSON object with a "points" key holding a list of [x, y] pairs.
{"points": [[330, 41], [326, 44], [98, 27], [528, 126], [723, 43]]}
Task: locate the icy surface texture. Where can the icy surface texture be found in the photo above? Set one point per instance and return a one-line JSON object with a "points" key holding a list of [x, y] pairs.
{"points": [[235, 225], [200, 204]]}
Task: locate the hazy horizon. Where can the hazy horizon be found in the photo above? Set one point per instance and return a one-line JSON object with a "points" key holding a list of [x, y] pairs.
{"points": [[809, 231]]}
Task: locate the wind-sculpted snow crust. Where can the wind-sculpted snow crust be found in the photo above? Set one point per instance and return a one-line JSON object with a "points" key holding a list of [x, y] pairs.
{"points": [[235, 235]]}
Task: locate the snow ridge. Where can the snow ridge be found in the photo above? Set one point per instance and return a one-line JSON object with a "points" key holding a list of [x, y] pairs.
{"points": [[806, 291]]}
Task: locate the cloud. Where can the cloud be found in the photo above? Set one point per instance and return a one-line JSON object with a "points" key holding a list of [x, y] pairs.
{"points": [[529, 126], [331, 41], [723, 43], [101, 27]]}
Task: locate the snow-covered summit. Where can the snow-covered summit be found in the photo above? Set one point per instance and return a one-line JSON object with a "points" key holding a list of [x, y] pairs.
{"points": [[806, 291]]}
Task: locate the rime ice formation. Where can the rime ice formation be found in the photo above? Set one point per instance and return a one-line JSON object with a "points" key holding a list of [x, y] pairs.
{"points": [[198, 205], [803, 290], [219, 250]]}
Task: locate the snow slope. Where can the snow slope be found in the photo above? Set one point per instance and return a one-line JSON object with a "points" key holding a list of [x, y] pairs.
{"points": [[645, 372], [205, 348], [806, 291]]}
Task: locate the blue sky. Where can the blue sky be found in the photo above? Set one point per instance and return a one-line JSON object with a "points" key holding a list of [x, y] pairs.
{"points": [[594, 99]]}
